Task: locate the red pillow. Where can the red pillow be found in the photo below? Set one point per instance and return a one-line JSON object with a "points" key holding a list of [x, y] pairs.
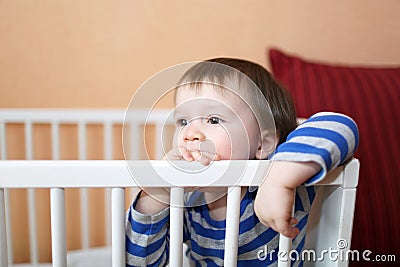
{"points": [[371, 96]]}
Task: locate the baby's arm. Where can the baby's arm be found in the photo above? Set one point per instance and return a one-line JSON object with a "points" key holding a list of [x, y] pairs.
{"points": [[323, 142], [147, 227], [147, 218], [146, 236], [152, 200]]}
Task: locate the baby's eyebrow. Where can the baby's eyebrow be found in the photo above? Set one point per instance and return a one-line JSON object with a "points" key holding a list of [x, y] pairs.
{"points": [[177, 114], [212, 108]]}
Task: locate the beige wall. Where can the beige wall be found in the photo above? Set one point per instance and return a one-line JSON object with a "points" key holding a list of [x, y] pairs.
{"points": [[92, 53], [95, 53]]}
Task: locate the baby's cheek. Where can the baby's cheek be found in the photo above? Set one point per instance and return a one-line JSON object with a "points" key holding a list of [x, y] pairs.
{"points": [[234, 151], [229, 149], [241, 150], [222, 148], [240, 143], [224, 154], [231, 144]]}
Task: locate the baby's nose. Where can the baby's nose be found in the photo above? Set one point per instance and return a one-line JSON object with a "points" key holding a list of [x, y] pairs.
{"points": [[194, 134]]}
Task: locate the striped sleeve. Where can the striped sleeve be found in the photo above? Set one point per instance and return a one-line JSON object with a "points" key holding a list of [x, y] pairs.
{"points": [[146, 237], [327, 138]]}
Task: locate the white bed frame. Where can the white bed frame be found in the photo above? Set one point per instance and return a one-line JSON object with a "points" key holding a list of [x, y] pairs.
{"points": [[330, 221]]}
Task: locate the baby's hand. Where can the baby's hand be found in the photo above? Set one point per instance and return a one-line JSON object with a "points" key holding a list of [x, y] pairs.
{"points": [[273, 207], [182, 153]]}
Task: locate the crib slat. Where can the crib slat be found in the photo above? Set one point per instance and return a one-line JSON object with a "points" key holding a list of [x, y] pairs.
{"points": [[108, 216], [32, 226], [8, 227], [232, 226], [285, 246], [55, 141], [108, 155], [133, 141], [82, 140], [58, 244], [84, 215], [159, 140], [3, 233], [33, 242], [176, 227], [118, 226], [28, 141], [3, 141], [108, 141], [83, 192]]}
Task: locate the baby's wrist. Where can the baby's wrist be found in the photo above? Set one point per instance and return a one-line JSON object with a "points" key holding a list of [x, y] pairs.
{"points": [[275, 185], [152, 200], [287, 174]]}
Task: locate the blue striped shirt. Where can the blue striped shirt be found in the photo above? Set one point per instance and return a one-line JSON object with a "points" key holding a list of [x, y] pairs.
{"points": [[328, 139]]}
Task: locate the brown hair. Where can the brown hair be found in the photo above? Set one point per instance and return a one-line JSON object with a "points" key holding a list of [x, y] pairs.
{"points": [[279, 100]]}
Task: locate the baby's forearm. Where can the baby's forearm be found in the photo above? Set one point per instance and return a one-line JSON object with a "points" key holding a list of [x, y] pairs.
{"points": [[146, 231], [278, 191], [152, 201], [290, 174]]}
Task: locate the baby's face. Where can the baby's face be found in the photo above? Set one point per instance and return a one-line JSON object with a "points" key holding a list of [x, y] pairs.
{"points": [[217, 122]]}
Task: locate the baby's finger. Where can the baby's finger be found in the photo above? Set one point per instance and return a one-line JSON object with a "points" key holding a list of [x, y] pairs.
{"points": [[196, 155], [173, 154], [186, 154], [206, 158], [291, 232], [293, 221], [287, 228], [211, 155]]}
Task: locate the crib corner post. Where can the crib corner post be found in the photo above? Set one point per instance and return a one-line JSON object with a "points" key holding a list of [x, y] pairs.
{"points": [[3, 235]]}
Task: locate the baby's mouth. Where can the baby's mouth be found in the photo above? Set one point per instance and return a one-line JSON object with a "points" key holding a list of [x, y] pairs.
{"points": [[193, 146], [208, 146], [201, 146]]}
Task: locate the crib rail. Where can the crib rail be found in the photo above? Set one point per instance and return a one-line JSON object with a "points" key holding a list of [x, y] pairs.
{"points": [[58, 175], [114, 175], [82, 120]]}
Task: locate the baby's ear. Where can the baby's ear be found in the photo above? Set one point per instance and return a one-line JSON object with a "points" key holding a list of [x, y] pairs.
{"points": [[267, 145]]}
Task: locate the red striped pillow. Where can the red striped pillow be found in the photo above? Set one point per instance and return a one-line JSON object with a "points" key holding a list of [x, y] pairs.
{"points": [[371, 96]]}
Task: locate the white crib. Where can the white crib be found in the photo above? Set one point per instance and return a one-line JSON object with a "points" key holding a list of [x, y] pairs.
{"points": [[330, 221]]}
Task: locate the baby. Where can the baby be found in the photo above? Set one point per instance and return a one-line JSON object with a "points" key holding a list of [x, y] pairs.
{"points": [[222, 114]]}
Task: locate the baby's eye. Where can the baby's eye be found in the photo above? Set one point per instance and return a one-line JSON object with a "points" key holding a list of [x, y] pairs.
{"points": [[214, 120], [182, 122]]}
